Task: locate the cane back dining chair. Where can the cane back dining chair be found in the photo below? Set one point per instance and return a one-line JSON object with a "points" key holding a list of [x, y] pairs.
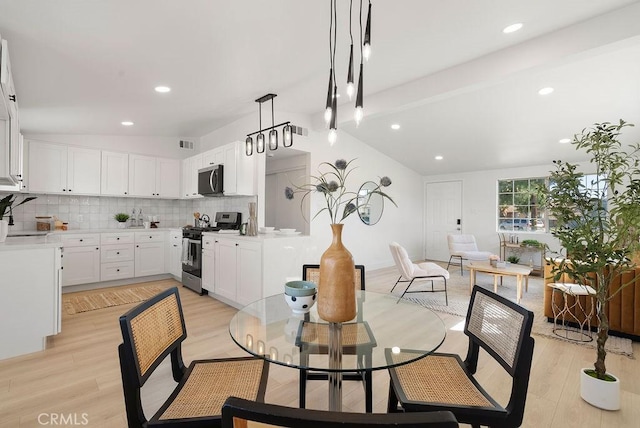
{"points": [[240, 413], [410, 272], [445, 382], [312, 338], [155, 329], [464, 247]]}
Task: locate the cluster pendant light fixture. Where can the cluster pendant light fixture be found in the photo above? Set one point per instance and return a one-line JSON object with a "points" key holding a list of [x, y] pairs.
{"points": [[331, 108], [287, 131]]}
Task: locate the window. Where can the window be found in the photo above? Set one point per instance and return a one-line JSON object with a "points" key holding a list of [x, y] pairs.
{"points": [[518, 208]]}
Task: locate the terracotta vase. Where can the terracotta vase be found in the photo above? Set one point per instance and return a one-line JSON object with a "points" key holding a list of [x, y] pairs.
{"points": [[336, 288]]}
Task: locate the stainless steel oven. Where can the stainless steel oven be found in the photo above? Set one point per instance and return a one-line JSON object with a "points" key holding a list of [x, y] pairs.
{"points": [[192, 248]]}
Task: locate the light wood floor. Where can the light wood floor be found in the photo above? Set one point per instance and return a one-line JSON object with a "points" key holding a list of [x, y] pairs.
{"points": [[79, 373]]}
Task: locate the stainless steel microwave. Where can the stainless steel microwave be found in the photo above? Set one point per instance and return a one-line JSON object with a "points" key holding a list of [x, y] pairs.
{"points": [[211, 181]]}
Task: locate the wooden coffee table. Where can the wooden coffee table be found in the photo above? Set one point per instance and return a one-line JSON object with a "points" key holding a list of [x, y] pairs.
{"points": [[520, 272]]}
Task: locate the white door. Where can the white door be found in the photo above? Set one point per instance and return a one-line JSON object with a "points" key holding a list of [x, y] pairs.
{"points": [[83, 176], [47, 167], [81, 265], [167, 178], [115, 173], [142, 176], [226, 268], [149, 259], [443, 215], [208, 272], [249, 272]]}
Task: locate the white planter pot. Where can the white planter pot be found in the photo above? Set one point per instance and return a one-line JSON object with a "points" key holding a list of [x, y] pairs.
{"points": [[4, 229], [600, 393]]}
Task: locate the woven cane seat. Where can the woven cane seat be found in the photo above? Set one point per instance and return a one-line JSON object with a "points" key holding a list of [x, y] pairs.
{"points": [[210, 383], [439, 379]]}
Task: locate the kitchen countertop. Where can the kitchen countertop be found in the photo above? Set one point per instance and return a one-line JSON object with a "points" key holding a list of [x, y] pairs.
{"points": [[260, 236], [40, 239]]}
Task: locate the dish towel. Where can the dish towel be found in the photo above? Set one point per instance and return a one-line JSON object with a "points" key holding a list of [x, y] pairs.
{"points": [[187, 257]]}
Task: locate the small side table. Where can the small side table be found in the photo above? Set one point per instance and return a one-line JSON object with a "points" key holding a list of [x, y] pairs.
{"points": [[569, 312]]}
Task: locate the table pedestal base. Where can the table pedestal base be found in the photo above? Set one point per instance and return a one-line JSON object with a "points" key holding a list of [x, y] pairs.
{"points": [[335, 364]]}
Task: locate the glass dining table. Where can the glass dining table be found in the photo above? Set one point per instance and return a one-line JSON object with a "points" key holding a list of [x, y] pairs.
{"points": [[383, 326]]}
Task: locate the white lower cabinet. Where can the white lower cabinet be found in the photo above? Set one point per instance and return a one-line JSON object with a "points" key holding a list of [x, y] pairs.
{"points": [[149, 253], [208, 263], [116, 256], [81, 259], [175, 253], [31, 300], [237, 269]]}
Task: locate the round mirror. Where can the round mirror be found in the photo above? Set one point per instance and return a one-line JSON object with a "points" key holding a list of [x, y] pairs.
{"points": [[370, 203]]}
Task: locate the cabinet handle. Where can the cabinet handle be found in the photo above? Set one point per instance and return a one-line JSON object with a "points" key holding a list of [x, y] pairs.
{"points": [[118, 252], [151, 237], [117, 239], [64, 190], [12, 98], [137, 246], [81, 240], [125, 193], [97, 248], [117, 270], [236, 244], [69, 190]]}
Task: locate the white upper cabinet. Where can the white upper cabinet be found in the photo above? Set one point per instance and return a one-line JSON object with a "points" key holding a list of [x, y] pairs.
{"points": [[56, 168], [239, 169], [154, 177], [168, 178], [115, 174], [190, 167], [10, 138]]}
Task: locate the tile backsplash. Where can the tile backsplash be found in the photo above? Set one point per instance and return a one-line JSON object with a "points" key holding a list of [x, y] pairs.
{"points": [[96, 212]]}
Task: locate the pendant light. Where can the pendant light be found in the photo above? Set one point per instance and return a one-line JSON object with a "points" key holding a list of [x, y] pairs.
{"points": [[261, 143], [359, 112], [350, 86], [367, 36], [333, 127]]}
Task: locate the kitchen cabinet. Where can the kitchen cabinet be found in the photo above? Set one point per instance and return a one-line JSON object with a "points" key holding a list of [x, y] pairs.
{"points": [[175, 253], [190, 167], [31, 299], [154, 177], [149, 253], [116, 256], [239, 277], [115, 174], [57, 168], [81, 259], [208, 263], [10, 138]]}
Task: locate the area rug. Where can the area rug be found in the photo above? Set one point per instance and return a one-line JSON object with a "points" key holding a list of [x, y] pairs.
{"points": [[89, 301], [458, 294]]}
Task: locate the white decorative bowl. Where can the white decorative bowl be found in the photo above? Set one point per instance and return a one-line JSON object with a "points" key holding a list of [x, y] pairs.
{"points": [[287, 231], [266, 229], [300, 304]]}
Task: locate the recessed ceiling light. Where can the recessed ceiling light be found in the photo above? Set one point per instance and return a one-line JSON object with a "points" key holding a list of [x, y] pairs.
{"points": [[127, 123], [438, 157], [545, 91], [564, 141], [395, 126], [162, 89], [512, 28]]}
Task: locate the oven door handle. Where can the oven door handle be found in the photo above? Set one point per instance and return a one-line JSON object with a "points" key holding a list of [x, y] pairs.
{"points": [[194, 241]]}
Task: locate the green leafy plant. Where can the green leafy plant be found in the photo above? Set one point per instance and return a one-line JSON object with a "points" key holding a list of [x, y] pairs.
{"points": [[531, 243], [513, 259], [121, 217], [6, 203], [332, 185], [598, 223]]}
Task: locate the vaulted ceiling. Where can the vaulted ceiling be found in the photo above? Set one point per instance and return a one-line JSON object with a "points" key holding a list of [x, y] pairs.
{"points": [[444, 71]]}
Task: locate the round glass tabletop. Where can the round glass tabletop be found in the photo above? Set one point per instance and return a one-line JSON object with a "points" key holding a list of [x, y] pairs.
{"points": [[383, 327]]}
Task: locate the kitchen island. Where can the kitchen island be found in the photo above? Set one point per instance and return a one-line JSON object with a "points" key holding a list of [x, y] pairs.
{"points": [[31, 272]]}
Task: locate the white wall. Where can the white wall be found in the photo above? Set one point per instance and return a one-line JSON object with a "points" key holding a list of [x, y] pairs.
{"points": [[479, 203], [368, 244]]}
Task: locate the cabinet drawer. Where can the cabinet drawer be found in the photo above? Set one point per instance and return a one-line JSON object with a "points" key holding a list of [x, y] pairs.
{"points": [[116, 253], [81, 240], [143, 237], [116, 238], [175, 236], [116, 270]]}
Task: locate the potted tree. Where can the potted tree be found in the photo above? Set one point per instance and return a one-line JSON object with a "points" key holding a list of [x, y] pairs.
{"points": [[598, 225]]}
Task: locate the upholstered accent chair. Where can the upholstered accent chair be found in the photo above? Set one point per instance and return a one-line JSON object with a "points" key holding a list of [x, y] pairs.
{"points": [[410, 272], [464, 247]]}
